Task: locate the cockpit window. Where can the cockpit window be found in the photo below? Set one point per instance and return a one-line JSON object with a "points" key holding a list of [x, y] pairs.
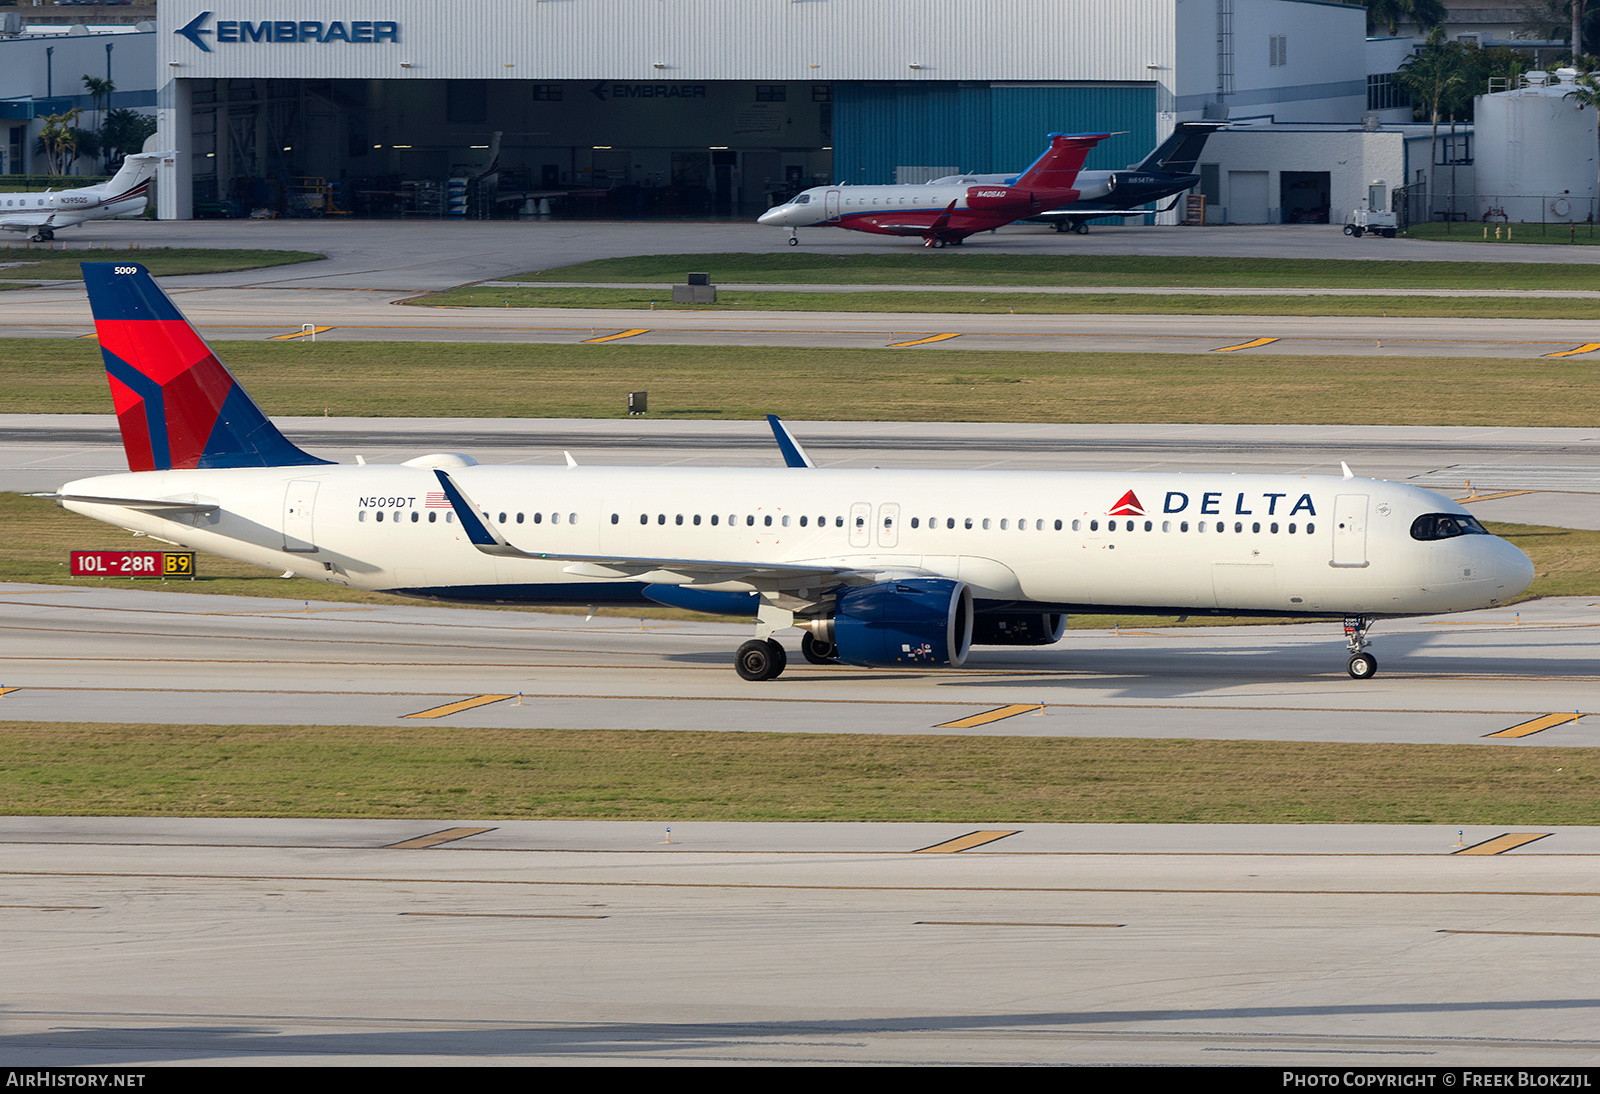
{"points": [[1446, 526], [803, 199]]}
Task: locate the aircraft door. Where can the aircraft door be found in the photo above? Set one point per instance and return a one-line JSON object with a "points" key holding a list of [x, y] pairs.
{"points": [[888, 524], [1350, 530], [830, 204], [299, 507], [861, 524]]}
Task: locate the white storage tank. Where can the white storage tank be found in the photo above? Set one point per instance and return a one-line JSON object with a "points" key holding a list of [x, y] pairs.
{"points": [[1537, 153]]}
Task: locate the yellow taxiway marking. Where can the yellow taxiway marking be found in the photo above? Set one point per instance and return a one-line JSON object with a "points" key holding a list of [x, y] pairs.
{"points": [[1252, 344], [83, 336], [1011, 710], [433, 839], [297, 334], [614, 337], [1470, 498], [504, 915], [1536, 725], [963, 843], [1587, 347], [8, 691], [1501, 844], [924, 341], [1004, 923], [458, 707]]}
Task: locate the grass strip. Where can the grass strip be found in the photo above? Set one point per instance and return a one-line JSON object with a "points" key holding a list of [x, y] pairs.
{"points": [[66, 769], [1549, 235], [418, 379], [957, 266], [160, 261], [990, 303]]}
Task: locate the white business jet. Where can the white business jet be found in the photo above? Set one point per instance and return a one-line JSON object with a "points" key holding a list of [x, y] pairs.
{"points": [[877, 567], [125, 194]]}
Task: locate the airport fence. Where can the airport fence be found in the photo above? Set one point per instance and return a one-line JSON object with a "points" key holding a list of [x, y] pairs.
{"points": [[1560, 217]]}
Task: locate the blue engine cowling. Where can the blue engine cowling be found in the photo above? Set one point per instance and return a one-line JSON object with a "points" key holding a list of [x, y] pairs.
{"points": [[918, 621], [1018, 628]]}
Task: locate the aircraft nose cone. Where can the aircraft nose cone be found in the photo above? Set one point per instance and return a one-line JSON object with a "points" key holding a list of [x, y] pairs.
{"points": [[773, 215], [1512, 570]]}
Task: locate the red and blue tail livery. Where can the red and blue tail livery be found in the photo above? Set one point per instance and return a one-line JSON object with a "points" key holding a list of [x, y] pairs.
{"points": [[177, 405]]}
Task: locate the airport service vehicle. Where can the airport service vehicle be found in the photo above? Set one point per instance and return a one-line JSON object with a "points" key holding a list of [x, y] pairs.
{"points": [[124, 194], [1168, 171], [878, 567], [1375, 222], [942, 212]]}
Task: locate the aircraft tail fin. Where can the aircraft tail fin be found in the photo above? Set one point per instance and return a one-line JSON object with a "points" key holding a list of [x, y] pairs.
{"points": [[134, 176], [1179, 153], [1058, 168], [176, 403]]}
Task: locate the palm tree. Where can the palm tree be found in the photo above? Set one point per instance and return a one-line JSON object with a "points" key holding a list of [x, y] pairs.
{"points": [[100, 92], [1436, 78], [59, 140], [1586, 92], [1389, 14]]}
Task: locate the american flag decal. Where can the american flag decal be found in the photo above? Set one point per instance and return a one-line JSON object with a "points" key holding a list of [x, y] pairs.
{"points": [[436, 500]]}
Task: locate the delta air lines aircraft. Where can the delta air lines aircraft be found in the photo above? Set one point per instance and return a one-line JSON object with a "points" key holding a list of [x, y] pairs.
{"points": [[877, 567]]}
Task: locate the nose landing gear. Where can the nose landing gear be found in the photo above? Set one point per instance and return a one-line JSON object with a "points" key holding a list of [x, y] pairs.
{"points": [[1362, 665]]}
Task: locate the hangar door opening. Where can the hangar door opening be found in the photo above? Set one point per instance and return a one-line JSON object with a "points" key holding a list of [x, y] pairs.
{"points": [[485, 149], [1304, 196]]}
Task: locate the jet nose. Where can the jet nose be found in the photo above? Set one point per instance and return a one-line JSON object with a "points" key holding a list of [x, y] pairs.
{"points": [[773, 215], [1511, 570]]}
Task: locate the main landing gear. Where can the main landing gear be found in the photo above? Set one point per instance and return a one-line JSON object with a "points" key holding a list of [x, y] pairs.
{"points": [[760, 659], [1362, 665], [1081, 227], [43, 235]]}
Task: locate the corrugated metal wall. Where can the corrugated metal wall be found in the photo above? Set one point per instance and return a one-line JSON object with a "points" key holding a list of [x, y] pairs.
{"points": [[982, 128]]}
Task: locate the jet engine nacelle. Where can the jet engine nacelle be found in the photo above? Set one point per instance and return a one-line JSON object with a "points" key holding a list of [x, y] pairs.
{"points": [[1018, 629], [999, 198], [918, 621]]}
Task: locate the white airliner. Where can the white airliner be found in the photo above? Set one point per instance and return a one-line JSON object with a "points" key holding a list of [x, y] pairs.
{"points": [[877, 567], [125, 194]]}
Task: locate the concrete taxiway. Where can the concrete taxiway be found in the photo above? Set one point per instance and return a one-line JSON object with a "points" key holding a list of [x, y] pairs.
{"points": [[106, 652], [151, 941]]}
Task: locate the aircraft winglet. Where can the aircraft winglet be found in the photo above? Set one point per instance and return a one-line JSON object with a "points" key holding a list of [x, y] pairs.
{"points": [[793, 454]]}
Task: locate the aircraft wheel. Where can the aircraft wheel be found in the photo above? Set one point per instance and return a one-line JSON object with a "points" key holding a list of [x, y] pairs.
{"points": [[757, 661], [938, 243], [818, 653], [1349, 229], [1062, 226], [780, 658], [1082, 228], [793, 242], [1363, 666]]}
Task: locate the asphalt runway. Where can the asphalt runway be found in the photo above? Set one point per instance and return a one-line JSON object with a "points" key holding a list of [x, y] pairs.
{"points": [[145, 940], [152, 941], [110, 652], [223, 314]]}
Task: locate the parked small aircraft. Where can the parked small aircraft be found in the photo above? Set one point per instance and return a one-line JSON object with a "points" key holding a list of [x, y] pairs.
{"points": [[124, 194], [942, 213]]}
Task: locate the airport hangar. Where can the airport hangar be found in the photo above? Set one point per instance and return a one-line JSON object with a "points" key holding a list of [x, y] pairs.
{"points": [[639, 107]]}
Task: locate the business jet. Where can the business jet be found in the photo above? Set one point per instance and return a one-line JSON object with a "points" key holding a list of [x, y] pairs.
{"points": [[125, 194], [879, 568], [1168, 171], [942, 213]]}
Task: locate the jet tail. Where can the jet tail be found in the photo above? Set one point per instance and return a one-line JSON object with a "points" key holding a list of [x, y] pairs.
{"points": [[1058, 168], [176, 403], [133, 176], [1178, 154]]}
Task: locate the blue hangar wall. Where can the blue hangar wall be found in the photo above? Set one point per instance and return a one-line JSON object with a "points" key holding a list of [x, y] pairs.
{"points": [[980, 127]]}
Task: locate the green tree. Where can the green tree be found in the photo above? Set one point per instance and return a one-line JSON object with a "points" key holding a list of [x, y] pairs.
{"points": [[1387, 15], [125, 131], [58, 140]]}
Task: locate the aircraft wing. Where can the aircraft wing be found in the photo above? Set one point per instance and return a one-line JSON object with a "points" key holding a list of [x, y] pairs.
{"points": [[21, 222], [487, 539]]}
